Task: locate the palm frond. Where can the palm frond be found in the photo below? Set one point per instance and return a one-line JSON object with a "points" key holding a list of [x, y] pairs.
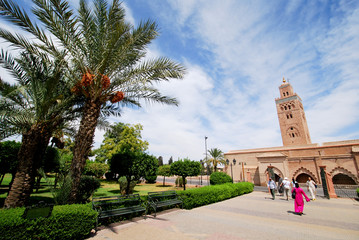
{"points": [[13, 13]]}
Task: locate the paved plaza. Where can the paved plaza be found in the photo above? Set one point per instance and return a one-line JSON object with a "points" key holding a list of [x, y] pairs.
{"points": [[251, 216]]}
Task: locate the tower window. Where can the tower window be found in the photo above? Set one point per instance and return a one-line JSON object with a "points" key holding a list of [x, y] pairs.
{"points": [[287, 93], [292, 134], [285, 107], [291, 128], [284, 94], [289, 107], [291, 116]]}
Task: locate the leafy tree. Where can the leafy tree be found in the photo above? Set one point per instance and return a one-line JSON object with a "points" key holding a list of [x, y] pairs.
{"points": [[160, 161], [150, 164], [217, 157], [88, 186], [133, 165], [8, 158], [185, 168], [96, 169], [165, 171], [170, 161], [121, 136]]}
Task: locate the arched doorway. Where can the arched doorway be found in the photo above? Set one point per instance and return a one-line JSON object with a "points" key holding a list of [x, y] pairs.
{"points": [[302, 178], [276, 177], [343, 179], [274, 172]]}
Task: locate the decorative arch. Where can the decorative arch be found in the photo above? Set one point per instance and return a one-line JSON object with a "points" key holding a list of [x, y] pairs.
{"points": [[277, 172], [341, 170], [305, 171], [292, 132]]}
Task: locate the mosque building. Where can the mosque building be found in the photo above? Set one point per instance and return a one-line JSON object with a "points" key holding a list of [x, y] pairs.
{"points": [[298, 158]]}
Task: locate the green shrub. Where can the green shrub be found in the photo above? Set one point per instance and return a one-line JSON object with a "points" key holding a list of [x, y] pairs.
{"points": [[196, 197], [61, 195], [358, 192], [123, 184], [88, 186], [151, 179], [66, 222], [219, 178], [179, 182]]}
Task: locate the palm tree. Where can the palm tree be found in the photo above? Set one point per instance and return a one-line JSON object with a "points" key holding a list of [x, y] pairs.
{"points": [[106, 56], [104, 60], [33, 107], [217, 157]]}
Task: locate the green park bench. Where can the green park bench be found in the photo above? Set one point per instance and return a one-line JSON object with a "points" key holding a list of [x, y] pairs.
{"points": [[39, 210], [117, 206], [163, 199]]}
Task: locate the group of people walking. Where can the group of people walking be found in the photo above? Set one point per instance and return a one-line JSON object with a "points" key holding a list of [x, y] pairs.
{"points": [[297, 192]]}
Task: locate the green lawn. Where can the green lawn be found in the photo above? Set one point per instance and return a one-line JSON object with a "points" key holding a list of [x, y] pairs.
{"points": [[108, 188]]}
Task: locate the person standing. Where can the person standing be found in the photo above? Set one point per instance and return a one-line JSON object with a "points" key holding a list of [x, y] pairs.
{"points": [[311, 187], [286, 185], [298, 201], [272, 186], [280, 188]]}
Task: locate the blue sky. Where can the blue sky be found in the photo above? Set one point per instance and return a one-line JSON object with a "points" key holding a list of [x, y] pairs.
{"points": [[236, 54]]}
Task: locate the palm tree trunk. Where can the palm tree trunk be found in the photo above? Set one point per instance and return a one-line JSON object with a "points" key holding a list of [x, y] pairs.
{"points": [[83, 143], [33, 147]]}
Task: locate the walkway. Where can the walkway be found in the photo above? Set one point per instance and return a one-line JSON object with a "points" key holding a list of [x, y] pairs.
{"points": [[252, 216]]}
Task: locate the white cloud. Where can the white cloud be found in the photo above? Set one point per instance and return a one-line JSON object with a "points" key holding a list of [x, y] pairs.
{"points": [[240, 50], [251, 50]]}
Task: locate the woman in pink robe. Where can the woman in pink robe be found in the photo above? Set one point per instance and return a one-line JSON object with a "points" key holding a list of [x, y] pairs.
{"points": [[298, 201]]}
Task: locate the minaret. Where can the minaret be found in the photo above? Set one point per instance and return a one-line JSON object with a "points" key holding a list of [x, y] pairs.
{"points": [[291, 116]]}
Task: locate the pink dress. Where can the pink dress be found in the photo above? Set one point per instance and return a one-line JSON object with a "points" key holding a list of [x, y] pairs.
{"points": [[298, 201]]}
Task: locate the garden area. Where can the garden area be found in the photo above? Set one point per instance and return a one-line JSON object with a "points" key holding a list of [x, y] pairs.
{"points": [[76, 221], [58, 95], [108, 188]]}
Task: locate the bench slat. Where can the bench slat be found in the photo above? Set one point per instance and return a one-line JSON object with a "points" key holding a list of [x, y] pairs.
{"points": [[117, 206], [162, 199]]}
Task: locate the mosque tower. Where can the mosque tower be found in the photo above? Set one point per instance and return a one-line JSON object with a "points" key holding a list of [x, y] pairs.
{"points": [[291, 116]]}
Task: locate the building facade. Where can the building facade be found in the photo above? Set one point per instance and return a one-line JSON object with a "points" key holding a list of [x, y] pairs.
{"points": [[298, 158]]}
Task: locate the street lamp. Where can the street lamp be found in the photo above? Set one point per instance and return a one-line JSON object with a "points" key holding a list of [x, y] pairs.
{"points": [[201, 161], [205, 145]]}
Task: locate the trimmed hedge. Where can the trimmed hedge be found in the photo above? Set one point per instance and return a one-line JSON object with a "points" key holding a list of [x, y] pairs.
{"points": [[196, 197], [219, 178], [66, 222]]}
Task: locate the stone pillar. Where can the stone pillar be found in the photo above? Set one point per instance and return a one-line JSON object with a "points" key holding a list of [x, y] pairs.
{"points": [[355, 152], [327, 183], [316, 167], [331, 189], [249, 178]]}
